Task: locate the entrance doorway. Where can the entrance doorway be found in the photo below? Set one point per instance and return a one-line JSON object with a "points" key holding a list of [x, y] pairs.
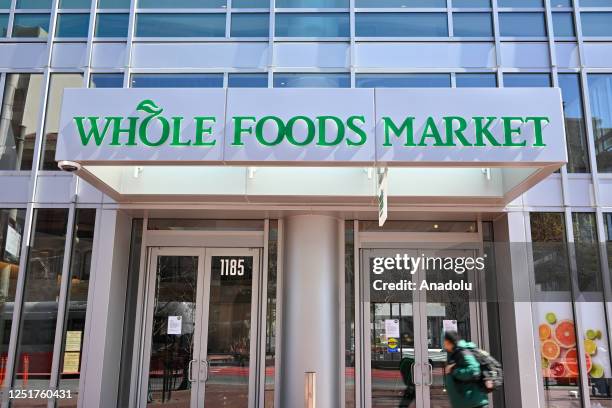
{"points": [[404, 329], [199, 333]]}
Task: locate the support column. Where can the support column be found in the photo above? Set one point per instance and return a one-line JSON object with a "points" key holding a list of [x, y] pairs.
{"points": [[102, 348], [520, 350], [311, 302]]}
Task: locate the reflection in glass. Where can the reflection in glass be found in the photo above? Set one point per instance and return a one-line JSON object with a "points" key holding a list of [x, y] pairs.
{"points": [[106, 81], [600, 96], [401, 25], [76, 306], [250, 25], [31, 25], [563, 24], [251, 4], [18, 123], [312, 25], [247, 80], [39, 313], [471, 3], [180, 25], [595, 3], [114, 4], [575, 130], [563, 3], [522, 25], [182, 3], [520, 3], [5, 4], [57, 84], [75, 4], [596, 24], [72, 25], [526, 80], [472, 25], [476, 80], [175, 296], [349, 314], [312, 3], [11, 231], [34, 4], [177, 80], [291, 80], [112, 25], [271, 315], [401, 3], [229, 334], [4, 25], [402, 81]]}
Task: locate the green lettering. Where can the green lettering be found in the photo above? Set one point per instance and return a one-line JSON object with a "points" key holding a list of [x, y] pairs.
{"points": [[144, 135], [509, 131], [482, 131], [363, 137], [537, 129], [176, 133], [259, 130], [202, 130], [323, 130], [452, 133], [117, 130], [432, 131], [94, 131], [310, 130], [407, 126], [239, 130]]}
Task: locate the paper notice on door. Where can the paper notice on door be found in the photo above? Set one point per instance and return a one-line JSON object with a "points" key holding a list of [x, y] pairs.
{"points": [[73, 340], [449, 325], [175, 325], [392, 328], [71, 362]]}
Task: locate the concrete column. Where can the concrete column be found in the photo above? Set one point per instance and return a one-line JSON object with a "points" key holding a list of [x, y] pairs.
{"points": [[311, 302], [520, 347], [102, 348]]}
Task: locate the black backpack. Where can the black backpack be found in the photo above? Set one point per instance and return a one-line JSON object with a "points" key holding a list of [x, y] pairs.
{"points": [[491, 374]]}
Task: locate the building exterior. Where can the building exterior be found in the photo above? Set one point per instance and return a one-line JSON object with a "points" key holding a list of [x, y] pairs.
{"points": [[246, 281]]}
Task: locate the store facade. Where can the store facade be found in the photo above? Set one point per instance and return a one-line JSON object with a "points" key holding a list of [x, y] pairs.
{"points": [[208, 245]]}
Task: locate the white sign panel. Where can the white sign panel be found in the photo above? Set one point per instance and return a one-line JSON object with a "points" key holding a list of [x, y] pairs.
{"points": [[449, 325], [13, 242], [392, 328], [175, 324], [350, 127]]}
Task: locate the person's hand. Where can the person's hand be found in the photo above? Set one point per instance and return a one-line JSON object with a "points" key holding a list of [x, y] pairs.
{"points": [[449, 368]]}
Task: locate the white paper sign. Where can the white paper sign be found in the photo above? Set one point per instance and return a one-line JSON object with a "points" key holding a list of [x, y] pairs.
{"points": [[449, 325], [13, 239], [175, 324], [392, 328]]}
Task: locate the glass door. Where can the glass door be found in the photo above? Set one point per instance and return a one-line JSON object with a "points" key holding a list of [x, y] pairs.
{"points": [[200, 319]]}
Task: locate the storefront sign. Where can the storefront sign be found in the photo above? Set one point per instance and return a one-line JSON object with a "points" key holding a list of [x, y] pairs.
{"points": [[341, 126]]}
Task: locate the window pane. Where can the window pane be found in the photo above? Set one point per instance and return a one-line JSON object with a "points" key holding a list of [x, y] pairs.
{"points": [[182, 3], [575, 130], [472, 25], [11, 231], [401, 25], [58, 83], [522, 25], [401, 3], [562, 3], [402, 81], [40, 300], [312, 3], [180, 25], [114, 4], [251, 4], [31, 25], [271, 326], [596, 24], [600, 95], [20, 111], [72, 25], [595, 3], [75, 4], [520, 3], [34, 4], [476, 80], [5, 4], [106, 81], [526, 80], [76, 305], [563, 24], [111, 25], [247, 80], [177, 81], [471, 3], [312, 25], [3, 25], [312, 80], [250, 25]]}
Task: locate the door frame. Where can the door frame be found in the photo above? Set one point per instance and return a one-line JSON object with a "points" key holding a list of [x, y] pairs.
{"points": [[146, 304]]}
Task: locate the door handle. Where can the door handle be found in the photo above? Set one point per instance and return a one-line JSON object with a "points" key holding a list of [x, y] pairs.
{"points": [[189, 367], [430, 374], [206, 365], [414, 378]]}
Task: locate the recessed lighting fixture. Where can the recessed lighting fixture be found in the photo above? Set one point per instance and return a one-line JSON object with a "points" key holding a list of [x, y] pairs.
{"points": [[435, 226]]}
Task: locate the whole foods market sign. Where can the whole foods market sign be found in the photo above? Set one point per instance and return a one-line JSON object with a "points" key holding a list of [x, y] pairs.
{"points": [[459, 127]]}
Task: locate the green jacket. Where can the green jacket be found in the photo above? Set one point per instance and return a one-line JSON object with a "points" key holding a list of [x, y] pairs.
{"points": [[462, 384]]}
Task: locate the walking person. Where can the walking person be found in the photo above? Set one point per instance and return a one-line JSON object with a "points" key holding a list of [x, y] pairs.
{"points": [[463, 374]]}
